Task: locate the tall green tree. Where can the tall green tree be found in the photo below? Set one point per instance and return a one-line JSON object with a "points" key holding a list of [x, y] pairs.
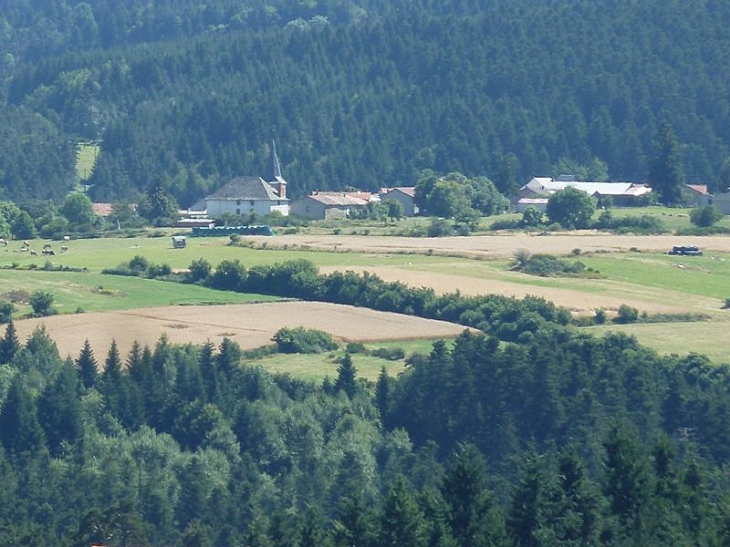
{"points": [[666, 174], [346, 376], [77, 209], [402, 521], [86, 365], [59, 410], [10, 344], [20, 430], [471, 514], [625, 479], [570, 208]]}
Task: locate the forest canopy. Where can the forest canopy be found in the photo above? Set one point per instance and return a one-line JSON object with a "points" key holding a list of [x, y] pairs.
{"points": [[364, 94]]}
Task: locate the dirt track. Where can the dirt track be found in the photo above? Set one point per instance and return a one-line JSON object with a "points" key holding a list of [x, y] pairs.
{"points": [[250, 325], [496, 246]]}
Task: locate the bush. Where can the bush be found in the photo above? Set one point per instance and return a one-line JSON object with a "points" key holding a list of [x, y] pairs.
{"points": [[199, 270], [440, 227], [704, 217], [301, 340], [355, 347], [138, 264], [600, 318], [626, 314], [42, 304], [390, 354]]}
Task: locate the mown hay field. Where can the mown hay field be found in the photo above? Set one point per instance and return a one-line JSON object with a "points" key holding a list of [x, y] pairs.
{"points": [[250, 325]]}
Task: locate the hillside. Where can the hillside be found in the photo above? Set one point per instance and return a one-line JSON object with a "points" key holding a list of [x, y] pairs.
{"points": [[361, 95]]}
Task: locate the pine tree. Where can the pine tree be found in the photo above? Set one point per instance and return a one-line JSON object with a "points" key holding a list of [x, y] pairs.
{"points": [[87, 366], [59, 410], [402, 521], [471, 515], [346, 377], [112, 374], [382, 394], [9, 345], [625, 477], [20, 430], [524, 516]]}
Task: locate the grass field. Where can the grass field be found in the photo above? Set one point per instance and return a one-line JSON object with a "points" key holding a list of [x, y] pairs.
{"points": [[647, 278], [317, 367], [86, 154]]}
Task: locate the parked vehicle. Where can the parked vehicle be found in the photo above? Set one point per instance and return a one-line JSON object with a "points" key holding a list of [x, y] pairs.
{"points": [[686, 250]]}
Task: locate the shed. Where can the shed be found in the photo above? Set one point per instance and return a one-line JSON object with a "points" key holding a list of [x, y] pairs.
{"points": [[179, 242]]}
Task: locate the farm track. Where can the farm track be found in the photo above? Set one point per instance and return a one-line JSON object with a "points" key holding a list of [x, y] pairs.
{"points": [[494, 246]]}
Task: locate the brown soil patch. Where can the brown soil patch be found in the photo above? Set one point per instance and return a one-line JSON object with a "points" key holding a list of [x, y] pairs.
{"points": [[496, 246], [250, 325]]}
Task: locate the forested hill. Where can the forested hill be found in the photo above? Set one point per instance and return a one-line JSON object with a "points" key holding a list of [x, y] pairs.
{"points": [[360, 94]]}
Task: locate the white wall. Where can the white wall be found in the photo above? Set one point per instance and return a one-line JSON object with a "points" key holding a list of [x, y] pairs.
{"points": [[243, 206]]}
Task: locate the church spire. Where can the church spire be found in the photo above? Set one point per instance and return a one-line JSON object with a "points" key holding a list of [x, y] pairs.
{"points": [[274, 172]]}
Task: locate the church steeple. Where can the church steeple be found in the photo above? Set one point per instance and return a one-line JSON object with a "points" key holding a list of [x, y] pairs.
{"points": [[273, 175], [274, 171]]}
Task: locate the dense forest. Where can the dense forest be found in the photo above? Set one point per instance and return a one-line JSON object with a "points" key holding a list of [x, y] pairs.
{"points": [[356, 93], [559, 440]]}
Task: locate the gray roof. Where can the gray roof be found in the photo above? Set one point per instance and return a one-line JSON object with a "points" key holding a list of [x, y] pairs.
{"points": [[246, 188]]}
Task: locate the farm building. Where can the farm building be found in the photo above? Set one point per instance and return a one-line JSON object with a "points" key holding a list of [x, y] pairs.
{"points": [[699, 194], [404, 195], [243, 195], [622, 193], [326, 205]]}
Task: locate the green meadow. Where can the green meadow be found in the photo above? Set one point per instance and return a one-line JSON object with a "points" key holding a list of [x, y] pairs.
{"points": [[698, 284], [317, 367]]}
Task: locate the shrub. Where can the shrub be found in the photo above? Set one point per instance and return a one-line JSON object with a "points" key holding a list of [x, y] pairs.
{"points": [[704, 217], [42, 304], [531, 217], [355, 347], [138, 264], [439, 227], [199, 270], [626, 314], [390, 354], [301, 340], [600, 318]]}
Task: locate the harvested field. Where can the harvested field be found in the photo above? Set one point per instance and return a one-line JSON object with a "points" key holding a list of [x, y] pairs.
{"points": [[496, 246], [250, 325], [579, 302]]}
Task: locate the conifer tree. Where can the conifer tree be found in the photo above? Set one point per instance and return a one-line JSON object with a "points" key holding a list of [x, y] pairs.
{"points": [[382, 394], [9, 345], [402, 521], [20, 430], [59, 409], [524, 515], [472, 517], [112, 374], [346, 377], [87, 366], [625, 477]]}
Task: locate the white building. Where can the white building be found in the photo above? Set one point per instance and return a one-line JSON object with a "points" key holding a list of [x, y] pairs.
{"points": [[245, 195]]}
